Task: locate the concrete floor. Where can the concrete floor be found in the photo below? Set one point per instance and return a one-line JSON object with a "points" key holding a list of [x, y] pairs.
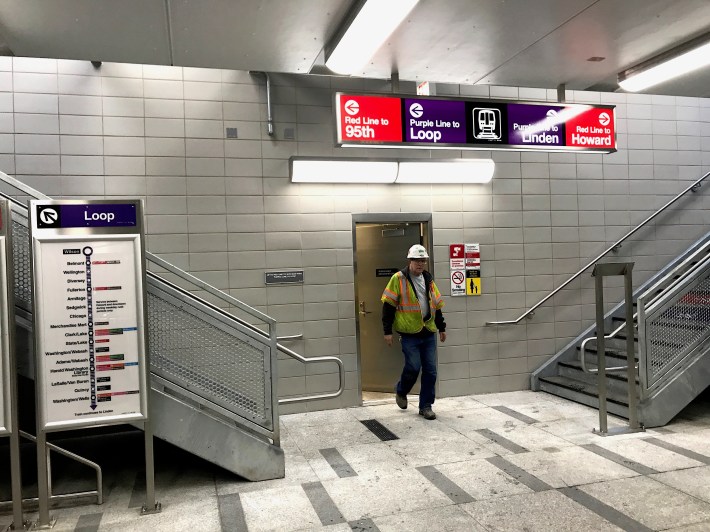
{"points": [[511, 461]]}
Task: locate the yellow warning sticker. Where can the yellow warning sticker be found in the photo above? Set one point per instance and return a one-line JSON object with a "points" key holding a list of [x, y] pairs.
{"points": [[473, 286]]}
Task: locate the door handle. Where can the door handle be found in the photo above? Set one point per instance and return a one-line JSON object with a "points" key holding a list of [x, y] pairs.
{"points": [[363, 312]]}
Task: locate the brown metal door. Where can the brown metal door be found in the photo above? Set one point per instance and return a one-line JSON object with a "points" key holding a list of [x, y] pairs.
{"points": [[381, 249]]}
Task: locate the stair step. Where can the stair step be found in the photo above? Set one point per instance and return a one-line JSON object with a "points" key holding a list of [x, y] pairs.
{"points": [[576, 364], [585, 388]]}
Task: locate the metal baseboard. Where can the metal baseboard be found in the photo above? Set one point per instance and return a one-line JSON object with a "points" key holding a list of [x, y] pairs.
{"points": [[668, 401], [196, 431]]}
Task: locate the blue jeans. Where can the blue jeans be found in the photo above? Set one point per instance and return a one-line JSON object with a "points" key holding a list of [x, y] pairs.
{"points": [[419, 354]]}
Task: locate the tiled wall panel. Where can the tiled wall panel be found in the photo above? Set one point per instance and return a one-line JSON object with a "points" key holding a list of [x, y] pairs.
{"points": [[225, 208]]}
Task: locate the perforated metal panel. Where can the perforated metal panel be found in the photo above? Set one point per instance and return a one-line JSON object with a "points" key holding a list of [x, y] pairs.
{"points": [[209, 357], [21, 263], [677, 330]]}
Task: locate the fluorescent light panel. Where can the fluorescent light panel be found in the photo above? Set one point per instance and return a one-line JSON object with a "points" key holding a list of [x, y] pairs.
{"points": [[342, 171], [369, 30], [364, 171], [687, 61], [465, 171]]}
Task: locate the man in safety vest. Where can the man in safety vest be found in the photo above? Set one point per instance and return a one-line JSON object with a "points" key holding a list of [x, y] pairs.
{"points": [[411, 303]]}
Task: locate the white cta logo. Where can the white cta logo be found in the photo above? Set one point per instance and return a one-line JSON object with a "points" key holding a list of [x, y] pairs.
{"points": [[351, 107], [48, 216], [604, 119], [416, 110]]}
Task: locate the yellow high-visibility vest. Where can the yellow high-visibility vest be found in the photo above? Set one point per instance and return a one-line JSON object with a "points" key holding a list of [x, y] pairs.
{"points": [[400, 293]]}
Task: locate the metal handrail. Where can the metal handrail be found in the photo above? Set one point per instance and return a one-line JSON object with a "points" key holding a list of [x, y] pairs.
{"points": [[283, 349], [208, 288], [614, 246], [93, 465], [341, 376], [669, 275]]}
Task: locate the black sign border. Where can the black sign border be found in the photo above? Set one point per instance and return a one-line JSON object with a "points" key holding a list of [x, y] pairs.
{"points": [[473, 147]]}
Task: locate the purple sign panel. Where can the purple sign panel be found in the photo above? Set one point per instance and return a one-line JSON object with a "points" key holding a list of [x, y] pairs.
{"points": [[535, 125], [87, 215], [434, 121]]}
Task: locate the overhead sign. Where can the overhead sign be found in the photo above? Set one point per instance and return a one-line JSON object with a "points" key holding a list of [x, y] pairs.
{"points": [[370, 118], [374, 120], [89, 313]]}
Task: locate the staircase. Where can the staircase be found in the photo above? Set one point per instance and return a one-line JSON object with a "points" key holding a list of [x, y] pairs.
{"points": [[212, 374], [671, 346]]}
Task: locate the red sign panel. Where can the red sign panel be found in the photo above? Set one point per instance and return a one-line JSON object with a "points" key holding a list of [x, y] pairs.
{"points": [[593, 128], [456, 251], [369, 118]]}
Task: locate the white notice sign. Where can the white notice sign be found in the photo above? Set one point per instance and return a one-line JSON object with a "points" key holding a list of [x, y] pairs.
{"points": [[458, 283], [89, 348]]}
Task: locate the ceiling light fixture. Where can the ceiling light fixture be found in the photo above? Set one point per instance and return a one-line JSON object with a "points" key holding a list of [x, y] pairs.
{"points": [[315, 170], [681, 60], [437, 171], [367, 30]]}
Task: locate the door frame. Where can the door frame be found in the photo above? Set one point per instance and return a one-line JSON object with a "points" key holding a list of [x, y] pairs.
{"points": [[384, 218]]}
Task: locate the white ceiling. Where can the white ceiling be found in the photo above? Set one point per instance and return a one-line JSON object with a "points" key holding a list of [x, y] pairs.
{"points": [[534, 43]]}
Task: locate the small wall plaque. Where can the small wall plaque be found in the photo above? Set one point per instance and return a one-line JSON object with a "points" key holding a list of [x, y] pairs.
{"points": [[292, 277]]}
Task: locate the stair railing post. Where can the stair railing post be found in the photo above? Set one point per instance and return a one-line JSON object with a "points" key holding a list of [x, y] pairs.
{"points": [[600, 271], [630, 358], [601, 353]]}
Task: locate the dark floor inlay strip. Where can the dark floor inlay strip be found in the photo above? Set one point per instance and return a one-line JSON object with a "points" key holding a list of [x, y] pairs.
{"points": [[619, 459], [518, 474], [138, 494], [503, 442], [231, 513], [680, 450], [379, 430], [445, 484], [516, 415], [364, 525], [614, 516], [324, 506], [88, 523], [338, 463]]}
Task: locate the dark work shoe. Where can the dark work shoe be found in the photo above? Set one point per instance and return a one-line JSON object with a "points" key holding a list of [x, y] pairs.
{"points": [[428, 413], [401, 400]]}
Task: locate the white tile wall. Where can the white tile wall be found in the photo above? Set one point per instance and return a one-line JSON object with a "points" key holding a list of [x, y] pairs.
{"points": [[225, 208]]}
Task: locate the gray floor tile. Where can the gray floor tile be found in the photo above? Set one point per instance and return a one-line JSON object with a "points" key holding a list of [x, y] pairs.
{"points": [[548, 511], [694, 481], [571, 466], [650, 502], [373, 495], [446, 519]]}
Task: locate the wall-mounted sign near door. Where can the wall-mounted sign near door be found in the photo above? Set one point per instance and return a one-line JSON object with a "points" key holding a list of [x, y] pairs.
{"points": [[291, 277], [375, 120]]}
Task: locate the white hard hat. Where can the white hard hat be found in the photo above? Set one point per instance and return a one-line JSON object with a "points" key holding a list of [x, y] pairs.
{"points": [[417, 252]]}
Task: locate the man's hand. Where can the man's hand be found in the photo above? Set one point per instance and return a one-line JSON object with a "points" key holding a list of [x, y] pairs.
{"points": [[388, 339], [442, 336]]}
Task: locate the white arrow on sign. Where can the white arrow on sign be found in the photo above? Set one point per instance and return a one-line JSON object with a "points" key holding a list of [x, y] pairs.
{"points": [[604, 119], [48, 216], [416, 110], [352, 107]]}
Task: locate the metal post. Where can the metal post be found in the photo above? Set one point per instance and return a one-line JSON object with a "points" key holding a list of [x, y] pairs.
{"points": [[601, 354], [600, 271], [17, 519], [630, 359], [150, 506], [44, 520]]}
